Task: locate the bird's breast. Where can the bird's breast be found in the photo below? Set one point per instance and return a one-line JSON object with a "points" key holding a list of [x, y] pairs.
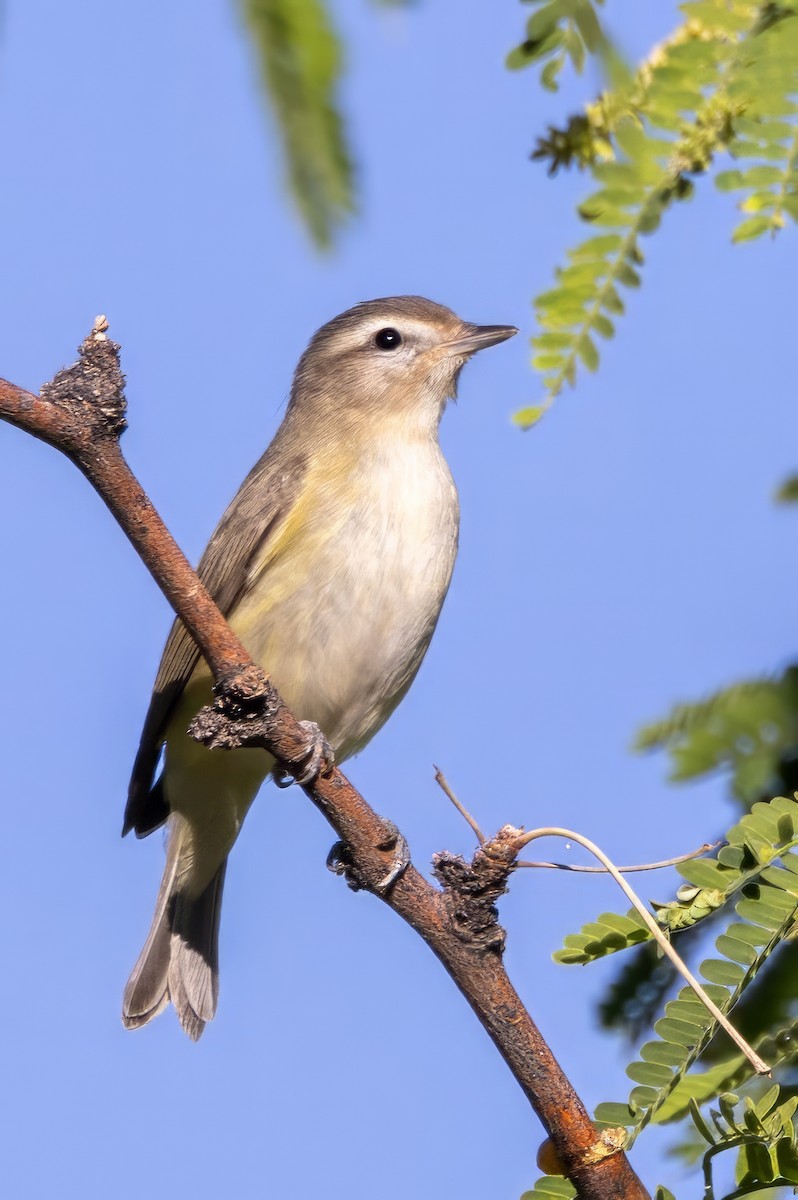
{"points": [[342, 614]]}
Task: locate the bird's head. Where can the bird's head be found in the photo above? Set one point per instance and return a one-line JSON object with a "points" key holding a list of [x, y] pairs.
{"points": [[398, 357]]}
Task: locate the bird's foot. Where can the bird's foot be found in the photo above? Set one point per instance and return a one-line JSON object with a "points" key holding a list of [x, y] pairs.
{"points": [[319, 759], [341, 862]]}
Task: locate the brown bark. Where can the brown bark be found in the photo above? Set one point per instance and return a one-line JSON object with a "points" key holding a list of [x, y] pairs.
{"points": [[81, 413]]}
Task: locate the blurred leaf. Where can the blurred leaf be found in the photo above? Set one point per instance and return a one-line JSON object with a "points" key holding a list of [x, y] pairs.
{"points": [[300, 62], [724, 82], [750, 729], [559, 30], [788, 492], [754, 227], [527, 417], [639, 989]]}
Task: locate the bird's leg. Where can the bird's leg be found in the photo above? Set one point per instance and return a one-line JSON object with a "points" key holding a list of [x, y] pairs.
{"points": [[341, 862], [319, 759], [396, 843]]}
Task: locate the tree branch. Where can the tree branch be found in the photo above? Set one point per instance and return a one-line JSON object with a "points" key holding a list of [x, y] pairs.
{"points": [[82, 414]]}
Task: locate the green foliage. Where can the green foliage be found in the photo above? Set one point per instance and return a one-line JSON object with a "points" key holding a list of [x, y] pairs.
{"points": [[726, 81], [758, 868], [765, 142], [762, 1132], [550, 1187], [646, 980], [607, 934], [554, 1187], [753, 843], [760, 1129], [559, 31], [750, 729], [732, 1071], [718, 97], [301, 62]]}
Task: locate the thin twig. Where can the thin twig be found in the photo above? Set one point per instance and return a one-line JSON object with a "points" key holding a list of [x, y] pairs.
{"points": [[656, 932], [443, 783], [446, 787], [655, 866]]}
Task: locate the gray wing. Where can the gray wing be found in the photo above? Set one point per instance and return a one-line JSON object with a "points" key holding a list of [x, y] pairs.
{"points": [[263, 499]]}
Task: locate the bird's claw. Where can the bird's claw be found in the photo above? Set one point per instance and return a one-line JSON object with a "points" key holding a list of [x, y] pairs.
{"points": [[319, 759], [341, 862]]}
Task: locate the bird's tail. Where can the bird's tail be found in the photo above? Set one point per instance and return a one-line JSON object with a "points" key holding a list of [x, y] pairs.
{"points": [[180, 959]]}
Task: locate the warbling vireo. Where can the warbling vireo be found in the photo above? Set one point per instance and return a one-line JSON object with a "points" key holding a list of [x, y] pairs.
{"points": [[331, 564]]}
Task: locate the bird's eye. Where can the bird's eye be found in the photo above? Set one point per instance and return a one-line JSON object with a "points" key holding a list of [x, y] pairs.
{"points": [[388, 339]]}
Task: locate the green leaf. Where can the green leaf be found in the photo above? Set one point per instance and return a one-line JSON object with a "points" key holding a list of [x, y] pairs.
{"points": [[527, 417], [588, 25], [756, 1163], [786, 827], [547, 362], [612, 302], [726, 973], [703, 872], [700, 1123], [642, 1097], [603, 325], [596, 248], [627, 275], [737, 951], [663, 1053], [787, 1159], [588, 353], [680, 1032], [611, 1114], [768, 1101], [754, 227], [729, 181], [726, 1103], [651, 1074], [551, 341], [530, 52], [762, 176], [759, 202], [548, 76], [301, 64], [551, 1187]]}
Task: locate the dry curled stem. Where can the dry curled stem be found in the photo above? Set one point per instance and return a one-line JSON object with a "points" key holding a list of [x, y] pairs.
{"points": [[657, 933]]}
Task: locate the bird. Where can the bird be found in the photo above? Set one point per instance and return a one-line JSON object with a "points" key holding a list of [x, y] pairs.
{"points": [[331, 564]]}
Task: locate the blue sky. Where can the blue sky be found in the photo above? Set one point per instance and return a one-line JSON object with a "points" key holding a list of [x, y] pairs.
{"points": [[623, 555]]}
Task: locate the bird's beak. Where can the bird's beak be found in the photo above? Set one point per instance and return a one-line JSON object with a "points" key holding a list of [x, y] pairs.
{"points": [[477, 337]]}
